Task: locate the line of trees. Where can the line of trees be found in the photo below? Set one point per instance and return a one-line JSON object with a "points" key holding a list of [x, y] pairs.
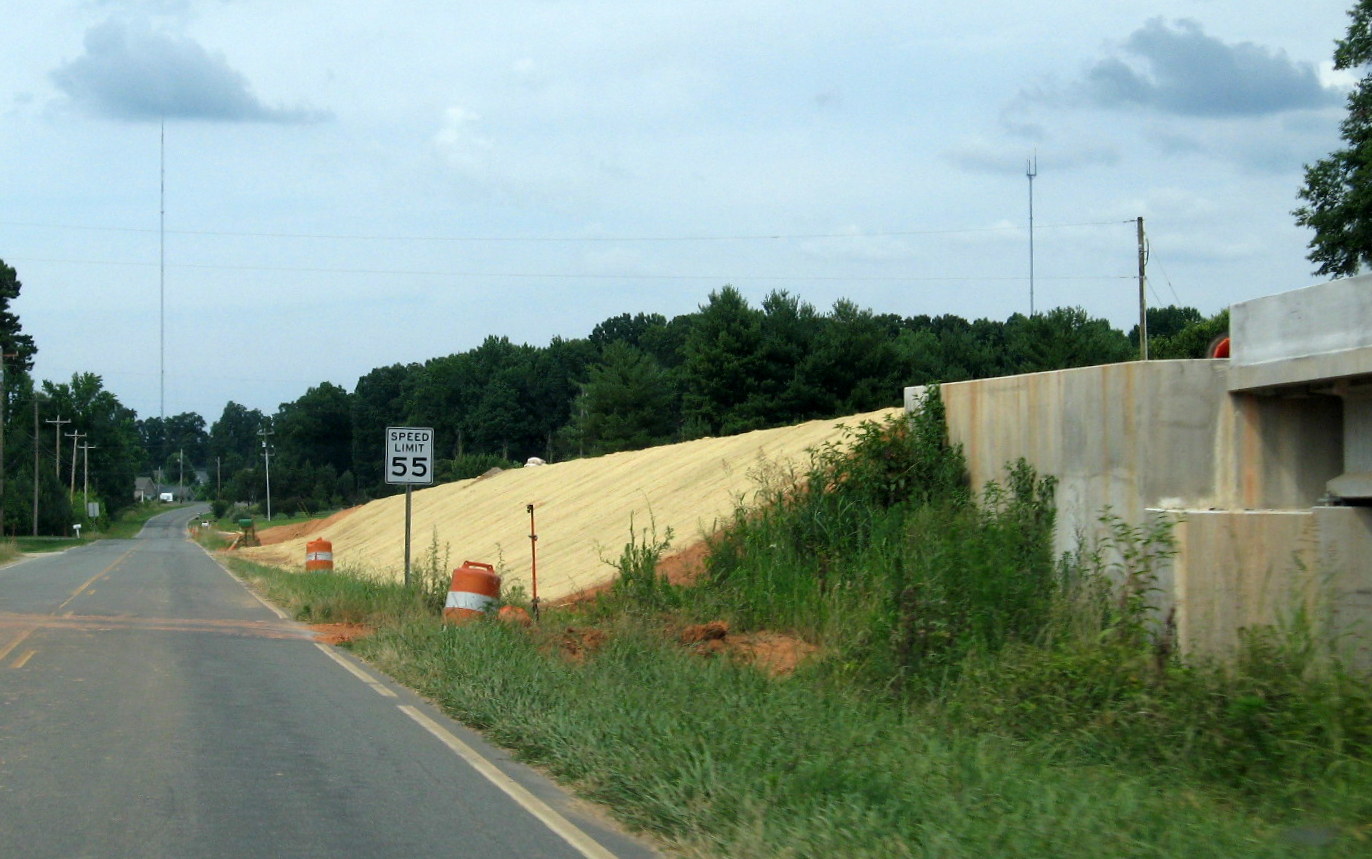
{"points": [[635, 381], [632, 382], [44, 427]]}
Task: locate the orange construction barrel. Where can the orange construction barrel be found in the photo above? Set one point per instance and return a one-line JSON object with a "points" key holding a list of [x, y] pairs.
{"points": [[475, 588], [319, 556]]}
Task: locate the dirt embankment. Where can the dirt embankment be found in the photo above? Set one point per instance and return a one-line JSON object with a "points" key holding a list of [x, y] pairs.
{"points": [[585, 510], [300, 530]]}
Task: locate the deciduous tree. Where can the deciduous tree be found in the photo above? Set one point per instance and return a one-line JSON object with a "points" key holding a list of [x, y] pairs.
{"points": [[1338, 189]]}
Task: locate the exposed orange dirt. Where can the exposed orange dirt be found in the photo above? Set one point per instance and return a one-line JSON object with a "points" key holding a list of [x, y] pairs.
{"points": [[283, 533], [686, 566], [773, 652], [578, 642], [339, 633]]}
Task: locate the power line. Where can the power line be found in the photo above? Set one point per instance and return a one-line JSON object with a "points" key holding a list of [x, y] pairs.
{"points": [[562, 239], [566, 276]]}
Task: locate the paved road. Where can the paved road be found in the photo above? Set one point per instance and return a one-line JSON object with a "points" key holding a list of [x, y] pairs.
{"points": [[151, 706]]}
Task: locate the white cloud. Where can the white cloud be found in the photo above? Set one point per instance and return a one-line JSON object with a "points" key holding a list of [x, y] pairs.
{"points": [[1179, 69], [462, 145], [130, 72]]}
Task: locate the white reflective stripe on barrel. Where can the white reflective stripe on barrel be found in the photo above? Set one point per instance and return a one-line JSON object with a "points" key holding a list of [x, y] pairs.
{"points": [[467, 600], [319, 556]]}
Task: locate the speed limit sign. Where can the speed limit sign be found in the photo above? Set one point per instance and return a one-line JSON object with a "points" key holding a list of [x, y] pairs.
{"points": [[410, 455]]}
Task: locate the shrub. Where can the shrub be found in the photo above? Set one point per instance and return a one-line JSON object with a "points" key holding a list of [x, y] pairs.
{"points": [[471, 465]]}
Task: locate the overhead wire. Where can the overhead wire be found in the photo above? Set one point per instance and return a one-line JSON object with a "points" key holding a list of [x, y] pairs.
{"points": [[560, 239], [563, 239], [564, 275]]}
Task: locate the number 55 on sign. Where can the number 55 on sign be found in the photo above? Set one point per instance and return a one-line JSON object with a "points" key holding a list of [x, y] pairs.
{"points": [[410, 455]]}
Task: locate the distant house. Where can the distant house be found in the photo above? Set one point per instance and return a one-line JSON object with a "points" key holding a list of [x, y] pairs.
{"points": [[144, 489]]}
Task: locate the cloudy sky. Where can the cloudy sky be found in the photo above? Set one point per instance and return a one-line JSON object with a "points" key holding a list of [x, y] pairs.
{"points": [[353, 184]]}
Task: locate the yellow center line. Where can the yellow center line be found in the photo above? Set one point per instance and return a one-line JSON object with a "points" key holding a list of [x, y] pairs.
{"points": [[76, 593], [7, 649], [21, 661]]}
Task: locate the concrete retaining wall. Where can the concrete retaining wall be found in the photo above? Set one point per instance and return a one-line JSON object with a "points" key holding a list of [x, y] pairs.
{"points": [[1239, 570], [1238, 472], [1141, 435]]}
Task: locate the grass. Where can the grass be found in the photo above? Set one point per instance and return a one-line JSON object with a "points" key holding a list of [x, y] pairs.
{"points": [[129, 522], [974, 696], [37, 545], [718, 760], [337, 597]]}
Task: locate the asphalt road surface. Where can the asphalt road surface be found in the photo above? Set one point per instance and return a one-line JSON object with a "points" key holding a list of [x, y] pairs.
{"points": [[150, 705]]}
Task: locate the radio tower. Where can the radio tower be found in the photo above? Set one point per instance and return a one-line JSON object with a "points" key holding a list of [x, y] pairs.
{"points": [[1031, 169]]}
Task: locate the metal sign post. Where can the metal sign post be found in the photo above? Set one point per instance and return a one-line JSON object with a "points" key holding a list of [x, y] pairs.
{"points": [[409, 461], [533, 558]]}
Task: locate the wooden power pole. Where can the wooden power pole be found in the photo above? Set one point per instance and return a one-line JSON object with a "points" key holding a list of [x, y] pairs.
{"points": [[1143, 301]]}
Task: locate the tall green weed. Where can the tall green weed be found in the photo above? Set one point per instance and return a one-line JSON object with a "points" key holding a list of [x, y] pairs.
{"points": [[880, 552]]}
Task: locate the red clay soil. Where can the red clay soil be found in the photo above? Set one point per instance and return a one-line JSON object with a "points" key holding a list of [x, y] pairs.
{"points": [[686, 566], [577, 642], [339, 633], [282, 533], [773, 652], [715, 630]]}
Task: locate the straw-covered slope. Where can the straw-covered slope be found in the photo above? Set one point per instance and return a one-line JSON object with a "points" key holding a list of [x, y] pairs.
{"points": [[583, 509]]}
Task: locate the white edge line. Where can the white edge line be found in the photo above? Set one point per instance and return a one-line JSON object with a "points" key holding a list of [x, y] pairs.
{"points": [[560, 826], [255, 595], [377, 686]]}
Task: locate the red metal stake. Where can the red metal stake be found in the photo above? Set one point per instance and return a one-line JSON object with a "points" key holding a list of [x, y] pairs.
{"points": [[533, 556]]}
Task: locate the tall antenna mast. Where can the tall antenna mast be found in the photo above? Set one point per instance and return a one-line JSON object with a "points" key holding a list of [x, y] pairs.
{"points": [[1031, 169], [162, 279]]}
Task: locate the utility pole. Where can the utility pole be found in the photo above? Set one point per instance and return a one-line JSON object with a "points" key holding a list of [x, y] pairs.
{"points": [[1143, 301], [180, 473], [1031, 169], [57, 444], [4, 396], [267, 462], [86, 474], [73, 435], [35, 463]]}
